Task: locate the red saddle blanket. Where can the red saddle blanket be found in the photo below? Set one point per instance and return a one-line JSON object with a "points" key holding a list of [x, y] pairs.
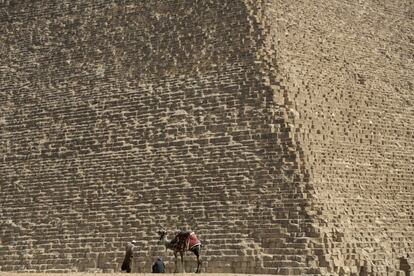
{"points": [[185, 240]]}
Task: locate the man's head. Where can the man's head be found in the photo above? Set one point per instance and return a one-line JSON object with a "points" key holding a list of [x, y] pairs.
{"points": [[134, 242]]}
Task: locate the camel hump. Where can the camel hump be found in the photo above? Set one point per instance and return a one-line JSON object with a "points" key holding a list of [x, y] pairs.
{"points": [[184, 234], [185, 240]]}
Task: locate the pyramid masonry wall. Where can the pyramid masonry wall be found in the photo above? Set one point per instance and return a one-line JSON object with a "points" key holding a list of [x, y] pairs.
{"points": [[279, 131]]}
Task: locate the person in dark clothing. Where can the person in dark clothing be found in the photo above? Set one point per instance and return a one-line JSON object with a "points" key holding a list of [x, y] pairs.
{"points": [[129, 253], [158, 266]]}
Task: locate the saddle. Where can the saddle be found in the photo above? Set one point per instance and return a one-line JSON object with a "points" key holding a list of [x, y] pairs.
{"points": [[185, 240]]}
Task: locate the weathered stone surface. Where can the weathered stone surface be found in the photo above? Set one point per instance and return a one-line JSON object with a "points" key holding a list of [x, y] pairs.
{"points": [[281, 132]]}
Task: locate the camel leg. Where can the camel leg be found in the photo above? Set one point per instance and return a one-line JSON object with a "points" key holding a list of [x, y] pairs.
{"points": [[198, 264], [182, 261], [175, 262], [197, 252]]}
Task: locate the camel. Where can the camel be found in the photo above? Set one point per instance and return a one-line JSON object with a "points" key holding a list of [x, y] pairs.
{"points": [[183, 241]]}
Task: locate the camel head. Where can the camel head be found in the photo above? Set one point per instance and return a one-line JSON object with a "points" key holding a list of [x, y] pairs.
{"points": [[162, 234]]}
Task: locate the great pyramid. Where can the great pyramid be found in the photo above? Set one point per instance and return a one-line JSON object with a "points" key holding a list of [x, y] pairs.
{"points": [[281, 132]]}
